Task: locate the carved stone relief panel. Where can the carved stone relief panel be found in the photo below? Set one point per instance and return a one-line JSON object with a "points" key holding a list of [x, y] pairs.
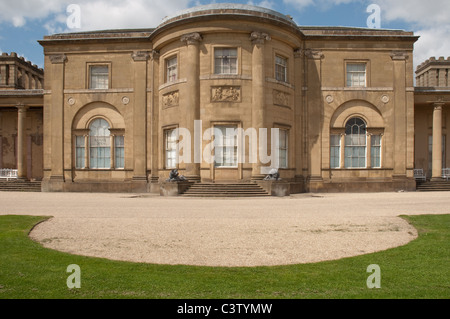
{"points": [[281, 98], [226, 94], [171, 99]]}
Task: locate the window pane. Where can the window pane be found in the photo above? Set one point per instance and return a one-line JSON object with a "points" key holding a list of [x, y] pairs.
{"points": [[281, 69], [99, 77], [171, 148], [283, 148], [119, 146], [355, 143], [172, 69], [356, 74], [335, 151], [225, 61], [225, 146], [100, 145]]}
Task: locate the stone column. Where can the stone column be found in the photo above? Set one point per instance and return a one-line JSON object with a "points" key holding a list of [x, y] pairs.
{"points": [[192, 99], [258, 83], [400, 114], [298, 109], [437, 142], [21, 142], [140, 59], [57, 70], [315, 115], [153, 119]]}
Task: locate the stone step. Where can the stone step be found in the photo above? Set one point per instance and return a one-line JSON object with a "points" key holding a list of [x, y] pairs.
{"points": [[434, 186], [19, 186], [225, 190]]}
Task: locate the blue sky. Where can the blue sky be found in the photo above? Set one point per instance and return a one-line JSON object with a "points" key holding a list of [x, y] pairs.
{"points": [[24, 22]]}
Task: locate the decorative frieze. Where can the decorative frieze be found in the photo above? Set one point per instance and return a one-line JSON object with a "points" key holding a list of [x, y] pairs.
{"points": [[171, 99], [226, 94], [281, 98]]}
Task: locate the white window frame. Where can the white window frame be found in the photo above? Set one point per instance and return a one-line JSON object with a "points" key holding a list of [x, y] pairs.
{"points": [[172, 69], [355, 76], [221, 67], [170, 148], [281, 68], [283, 148], [335, 151], [226, 146], [99, 80]]}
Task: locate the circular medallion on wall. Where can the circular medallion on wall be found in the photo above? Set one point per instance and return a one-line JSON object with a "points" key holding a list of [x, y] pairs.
{"points": [[71, 101], [329, 99], [385, 99], [125, 100]]}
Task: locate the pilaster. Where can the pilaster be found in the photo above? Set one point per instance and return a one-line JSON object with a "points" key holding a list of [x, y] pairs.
{"points": [[192, 114], [258, 81]]}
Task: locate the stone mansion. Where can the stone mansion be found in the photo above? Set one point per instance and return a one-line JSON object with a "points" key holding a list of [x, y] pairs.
{"points": [[110, 111]]}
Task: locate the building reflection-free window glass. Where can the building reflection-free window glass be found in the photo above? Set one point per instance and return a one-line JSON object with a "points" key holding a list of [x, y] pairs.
{"points": [[99, 77], [225, 146], [172, 69], [280, 69], [225, 61], [355, 143], [356, 75], [100, 145]]}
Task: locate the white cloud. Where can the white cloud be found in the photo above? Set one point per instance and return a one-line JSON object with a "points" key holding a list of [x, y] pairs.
{"points": [[95, 14]]}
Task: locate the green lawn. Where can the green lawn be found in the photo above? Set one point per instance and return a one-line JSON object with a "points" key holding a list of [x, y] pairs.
{"points": [[417, 270]]}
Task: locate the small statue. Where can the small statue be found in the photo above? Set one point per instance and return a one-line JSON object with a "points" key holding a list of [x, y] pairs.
{"points": [[174, 176], [273, 175]]}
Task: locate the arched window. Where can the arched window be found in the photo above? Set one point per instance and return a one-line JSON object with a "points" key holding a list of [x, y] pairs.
{"points": [[355, 143], [99, 145]]}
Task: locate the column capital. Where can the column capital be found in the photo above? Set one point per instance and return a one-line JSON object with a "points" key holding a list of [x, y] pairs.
{"points": [[399, 56], [140, 56], [299, 53], [21, 108], [259, 37], [58, 58], [154, 55], [191, 38], [314, 54]]}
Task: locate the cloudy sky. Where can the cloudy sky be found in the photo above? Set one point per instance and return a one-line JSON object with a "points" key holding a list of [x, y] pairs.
{"points": [[24, 22]]}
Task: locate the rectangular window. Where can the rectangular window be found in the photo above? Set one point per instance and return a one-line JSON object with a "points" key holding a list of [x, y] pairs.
{"points": [[100, 152], [170, 145], [283, 148], [80, 152], [355, 151], [335, 151], [225, 146], [172, 69], [356, 75], [99, 77], [119, 150], [225, 61], [280, 69], [375, 151]]}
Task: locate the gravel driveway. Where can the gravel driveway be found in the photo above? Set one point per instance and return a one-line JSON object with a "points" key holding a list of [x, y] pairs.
{"points": [[302, 228]]}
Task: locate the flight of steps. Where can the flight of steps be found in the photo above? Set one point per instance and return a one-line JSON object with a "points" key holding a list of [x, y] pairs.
{"points": [[20, 186], [225, 190], [433, 186]]}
